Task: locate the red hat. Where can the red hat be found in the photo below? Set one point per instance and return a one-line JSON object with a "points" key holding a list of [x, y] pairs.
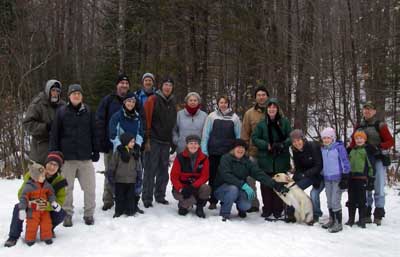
{"points": [[56, 156]]}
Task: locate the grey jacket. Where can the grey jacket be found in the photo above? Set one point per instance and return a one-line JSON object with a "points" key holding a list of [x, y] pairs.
{"points": [[187, 125], [123, 172]]}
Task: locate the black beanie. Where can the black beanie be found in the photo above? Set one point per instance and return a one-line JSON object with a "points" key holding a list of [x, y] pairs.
{"points": [[239, 142], [122, 77], [126, 138], [191, 138]]}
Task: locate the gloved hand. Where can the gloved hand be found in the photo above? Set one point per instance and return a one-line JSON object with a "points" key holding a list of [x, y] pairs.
{"points": [[173, 149], [136, 152], [56, 206], [187, 192], [22, 215], [344, 182], [370, 184], [277, 148], [95, 156], [249, 191], [280, 187]]}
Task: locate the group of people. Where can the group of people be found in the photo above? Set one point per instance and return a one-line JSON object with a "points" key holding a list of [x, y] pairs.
{"points": [[219, 158]]}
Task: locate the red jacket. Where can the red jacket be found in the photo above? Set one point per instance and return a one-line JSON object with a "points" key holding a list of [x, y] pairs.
{"points": [[182, 174]]}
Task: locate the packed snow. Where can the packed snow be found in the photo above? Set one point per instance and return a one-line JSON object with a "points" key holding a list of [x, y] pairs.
{"points": [[162, 232]]}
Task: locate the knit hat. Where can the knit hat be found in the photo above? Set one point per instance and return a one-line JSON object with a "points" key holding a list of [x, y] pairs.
{"points": [[125, 138], [296, 134], [195, 94], [261, 88], [191, 138], [35, 170], [239, 142], [329, 132], [129, 96], [122, 77], [148, 75], [52, 83], [369, 105], [360, 133], [167, 80], [274, 101], [74, 88], [56, 156]]}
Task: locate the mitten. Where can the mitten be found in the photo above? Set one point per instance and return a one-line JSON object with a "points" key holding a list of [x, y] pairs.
{"points": [[22, 214], [173, 149], [187, 192], [56, 206], [280, 187], [344, 182], [249, 191], [95, 156]]}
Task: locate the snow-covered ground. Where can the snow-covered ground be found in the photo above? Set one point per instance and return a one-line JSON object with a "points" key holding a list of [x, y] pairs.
{"points": [[161, 232]]}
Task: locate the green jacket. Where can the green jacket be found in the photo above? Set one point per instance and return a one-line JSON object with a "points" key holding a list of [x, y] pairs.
{"points": [[234, 171], [38, 118], [261, 141], [360, 163], [58, 182]]}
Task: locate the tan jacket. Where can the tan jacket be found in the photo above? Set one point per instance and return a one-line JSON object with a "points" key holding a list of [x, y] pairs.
{"points": [[250, 120]]}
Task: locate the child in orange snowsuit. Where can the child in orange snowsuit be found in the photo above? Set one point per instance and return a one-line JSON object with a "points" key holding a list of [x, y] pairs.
{"points": [[37, 189]]}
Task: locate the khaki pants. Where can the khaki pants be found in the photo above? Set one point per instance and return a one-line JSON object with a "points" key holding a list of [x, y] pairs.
{"points": [[202, 194], [252, 183], [84, 172]]}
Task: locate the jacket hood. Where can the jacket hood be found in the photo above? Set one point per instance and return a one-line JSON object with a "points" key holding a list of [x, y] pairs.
{"points": [[51, 83]]}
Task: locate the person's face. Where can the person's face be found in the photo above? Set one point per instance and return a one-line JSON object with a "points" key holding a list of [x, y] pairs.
{"points": [[359, 141], [148, 83], [298, 143], [129, 104], [131, 143], [193, 146], [51, 168], [223, 104], [368, 113], [41, 178], [193, 102], [327, 140], [239, 152], [272, 110], [122, 87], [75, 98], [54, 92], [261, 97], [167, 89]]}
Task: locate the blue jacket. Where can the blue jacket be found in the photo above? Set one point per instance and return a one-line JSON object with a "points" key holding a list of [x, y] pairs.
{"points": [[142, 96], [121, 122], [335, 161]]}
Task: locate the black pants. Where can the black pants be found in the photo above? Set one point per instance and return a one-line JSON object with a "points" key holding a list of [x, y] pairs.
{"points": [[214, 164], [357, 193], [124, 198]]}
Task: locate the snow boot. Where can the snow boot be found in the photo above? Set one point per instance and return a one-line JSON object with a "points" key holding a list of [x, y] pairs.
{"points": [[352, 215], [147, 205], [89, 220], [67, 221], [330, 222], [107, 206], [137, 209], [361, 220], [10, 242], [212, 206], [253, 209], [162, 201], [182, 211], [242, 214], [200, 209], [48, 241], [30, 243], [337, 223], [379, 213], [367, 218]]}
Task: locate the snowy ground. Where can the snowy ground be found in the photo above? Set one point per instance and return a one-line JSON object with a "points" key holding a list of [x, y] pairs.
{"points": [[161, 232]]}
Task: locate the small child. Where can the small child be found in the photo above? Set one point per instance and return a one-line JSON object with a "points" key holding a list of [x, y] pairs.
{"points": [[336, 168], [361, 178], [123, 173], [35, 189]]}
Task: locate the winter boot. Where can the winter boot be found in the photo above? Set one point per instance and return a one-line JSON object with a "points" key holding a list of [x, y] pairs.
{"points": [[379, 213], [352, 215], [367, 218], [162, 201], [182, 211], [361, 220], [89, 220], [137, 209], [253, 209], [200, 209], [107, 206], [10, 242], [242, 214], [30, 243], [48, 241], [330, 222], [212, 206], [337, 223], [67, 221]]}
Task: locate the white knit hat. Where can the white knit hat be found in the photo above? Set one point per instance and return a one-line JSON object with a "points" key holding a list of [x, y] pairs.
{"points": [[329, 132]]}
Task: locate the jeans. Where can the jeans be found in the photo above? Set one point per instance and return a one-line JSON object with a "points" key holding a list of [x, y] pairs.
{"points": [[379, 187], [314, 194], [229, 194], [16, 223]]}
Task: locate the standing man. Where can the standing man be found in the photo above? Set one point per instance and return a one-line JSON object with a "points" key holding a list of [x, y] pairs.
{"points": [[39, 117], [73, 133], [378, 135], [250, 120], [160, 112], [109, 105]]}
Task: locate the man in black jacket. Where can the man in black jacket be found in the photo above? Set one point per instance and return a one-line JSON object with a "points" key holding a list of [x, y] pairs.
{"points": [[73, 133], [307, 160]]}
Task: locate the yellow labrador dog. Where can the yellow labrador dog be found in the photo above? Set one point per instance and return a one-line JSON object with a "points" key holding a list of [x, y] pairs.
{"points": [[296, 198]]}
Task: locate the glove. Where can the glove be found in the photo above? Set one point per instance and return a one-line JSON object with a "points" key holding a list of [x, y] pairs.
{"points": [[187, 192], [56, 206], [280, 187], [277, 148], [95, 156], [344, 182], [298, 176], [173, 149], [22, 215], [370, 184], [249, 191], [136, 152]]}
